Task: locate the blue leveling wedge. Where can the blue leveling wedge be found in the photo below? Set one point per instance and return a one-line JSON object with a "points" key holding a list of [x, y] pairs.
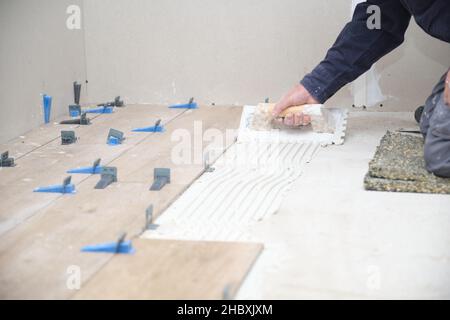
{"points": [[102, 110], [119, 247], [190, 105], [95, 169], [47, 104], [66, 187], [156, 128]]}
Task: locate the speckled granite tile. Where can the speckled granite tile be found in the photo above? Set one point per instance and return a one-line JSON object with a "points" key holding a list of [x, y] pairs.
{"points": [[399, 166]]}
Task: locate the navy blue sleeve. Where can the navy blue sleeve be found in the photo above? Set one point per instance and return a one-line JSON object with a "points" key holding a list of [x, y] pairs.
{"points": [[357, 48]]}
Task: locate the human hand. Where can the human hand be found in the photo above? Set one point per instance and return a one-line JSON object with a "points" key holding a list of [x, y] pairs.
{"points": [[297, 96]]}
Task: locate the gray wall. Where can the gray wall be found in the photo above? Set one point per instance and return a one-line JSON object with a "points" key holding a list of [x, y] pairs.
{"points": [[159, 51], [237, 51], [408, 74], [234, 51], [38, 54]]}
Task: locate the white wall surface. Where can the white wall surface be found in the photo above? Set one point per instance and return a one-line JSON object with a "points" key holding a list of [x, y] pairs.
{"points": [[159, 51], [237, 51], [38, 54], [408, 74], [234, 51]]}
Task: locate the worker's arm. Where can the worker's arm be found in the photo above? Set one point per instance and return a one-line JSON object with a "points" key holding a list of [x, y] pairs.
{"points": [[356, 49]]}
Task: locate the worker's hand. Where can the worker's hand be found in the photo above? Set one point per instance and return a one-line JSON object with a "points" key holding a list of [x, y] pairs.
{"points": [[447, 90], [297, 96]]}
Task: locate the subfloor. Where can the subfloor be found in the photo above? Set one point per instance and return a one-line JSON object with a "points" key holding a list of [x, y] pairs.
{"points": [[332, 239], [325, 238]]}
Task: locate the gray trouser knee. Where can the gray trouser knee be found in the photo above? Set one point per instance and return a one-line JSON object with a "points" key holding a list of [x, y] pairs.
{"points": [[435, 126]]}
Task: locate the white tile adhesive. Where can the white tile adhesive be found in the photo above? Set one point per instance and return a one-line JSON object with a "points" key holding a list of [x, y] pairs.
{"points": [[248, 184]]}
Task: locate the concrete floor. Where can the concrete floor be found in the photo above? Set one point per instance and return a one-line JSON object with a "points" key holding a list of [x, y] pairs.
{"points": [[333, 239]]}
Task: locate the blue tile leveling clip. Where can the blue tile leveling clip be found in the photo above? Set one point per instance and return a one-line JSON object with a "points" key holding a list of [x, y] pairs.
{"points": [[65, 188], [101, 110], [156, 128], [190, 105], [119, 247], [95, 169]]}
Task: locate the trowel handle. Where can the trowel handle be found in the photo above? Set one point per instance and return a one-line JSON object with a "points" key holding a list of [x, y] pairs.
{"points": [[288, 111], [291, 110], [268, 107]]}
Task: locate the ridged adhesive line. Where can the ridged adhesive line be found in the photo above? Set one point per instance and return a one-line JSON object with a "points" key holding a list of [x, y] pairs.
{"points": [[222, 205]]}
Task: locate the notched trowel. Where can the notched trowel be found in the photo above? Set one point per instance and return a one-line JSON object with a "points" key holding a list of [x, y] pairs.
{"points": [[328, 125]]}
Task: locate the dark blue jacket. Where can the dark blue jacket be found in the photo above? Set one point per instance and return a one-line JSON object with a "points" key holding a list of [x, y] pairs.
{"points": [[357, 47]]}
